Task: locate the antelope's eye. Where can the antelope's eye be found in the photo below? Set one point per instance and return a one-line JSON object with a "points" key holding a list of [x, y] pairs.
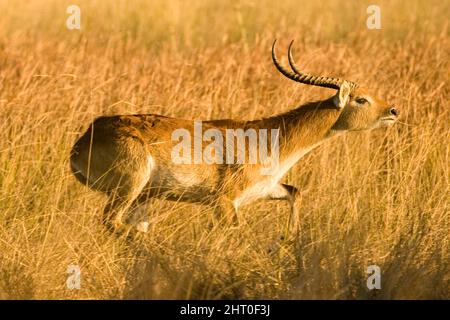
{"points": [[361, 100]]}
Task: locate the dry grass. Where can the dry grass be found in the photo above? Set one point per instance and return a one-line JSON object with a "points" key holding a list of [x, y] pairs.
{"points": [[369, 198]]}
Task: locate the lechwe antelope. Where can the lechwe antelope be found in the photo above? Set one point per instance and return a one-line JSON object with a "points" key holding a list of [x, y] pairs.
{"points": [[128, 157]]}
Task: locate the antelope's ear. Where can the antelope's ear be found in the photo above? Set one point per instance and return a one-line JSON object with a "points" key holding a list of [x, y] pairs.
{"points": [[341, 99]]}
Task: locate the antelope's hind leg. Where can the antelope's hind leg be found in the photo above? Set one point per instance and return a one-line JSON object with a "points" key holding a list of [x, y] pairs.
{"points": [[124, 199], [139, 214]]}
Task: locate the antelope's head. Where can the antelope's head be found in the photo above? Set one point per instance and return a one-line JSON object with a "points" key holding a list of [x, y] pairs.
{"points": [[359, 108]]}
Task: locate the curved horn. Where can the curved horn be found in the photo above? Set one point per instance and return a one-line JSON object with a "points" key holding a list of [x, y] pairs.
{"points": [[327, 82], [291, 59]]}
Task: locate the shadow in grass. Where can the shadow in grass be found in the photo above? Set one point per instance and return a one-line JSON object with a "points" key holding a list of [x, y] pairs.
{"points": [[160, 274]]}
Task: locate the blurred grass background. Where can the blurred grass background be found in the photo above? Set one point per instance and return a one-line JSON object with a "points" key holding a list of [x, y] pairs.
{"points": [[368, 198]]}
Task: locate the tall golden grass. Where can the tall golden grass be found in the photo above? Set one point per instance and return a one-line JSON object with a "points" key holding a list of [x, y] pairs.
{"points": [[375, 198]]}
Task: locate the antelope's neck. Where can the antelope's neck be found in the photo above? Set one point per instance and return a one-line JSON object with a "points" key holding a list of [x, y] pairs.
{"points": [[304, 128]]}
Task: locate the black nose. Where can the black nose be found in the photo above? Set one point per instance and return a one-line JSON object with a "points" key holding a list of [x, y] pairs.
{"points": [[393, 111]]}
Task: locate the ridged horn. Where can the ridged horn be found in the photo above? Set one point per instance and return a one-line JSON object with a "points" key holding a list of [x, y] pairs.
{"points": [[298, 76]]}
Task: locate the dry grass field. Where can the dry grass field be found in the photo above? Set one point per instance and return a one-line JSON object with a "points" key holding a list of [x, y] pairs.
{"points": [[369, 198]]}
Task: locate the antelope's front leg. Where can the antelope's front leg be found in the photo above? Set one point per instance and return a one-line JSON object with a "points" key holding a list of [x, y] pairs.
{"points": [[292, 195], [226, 209]]}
